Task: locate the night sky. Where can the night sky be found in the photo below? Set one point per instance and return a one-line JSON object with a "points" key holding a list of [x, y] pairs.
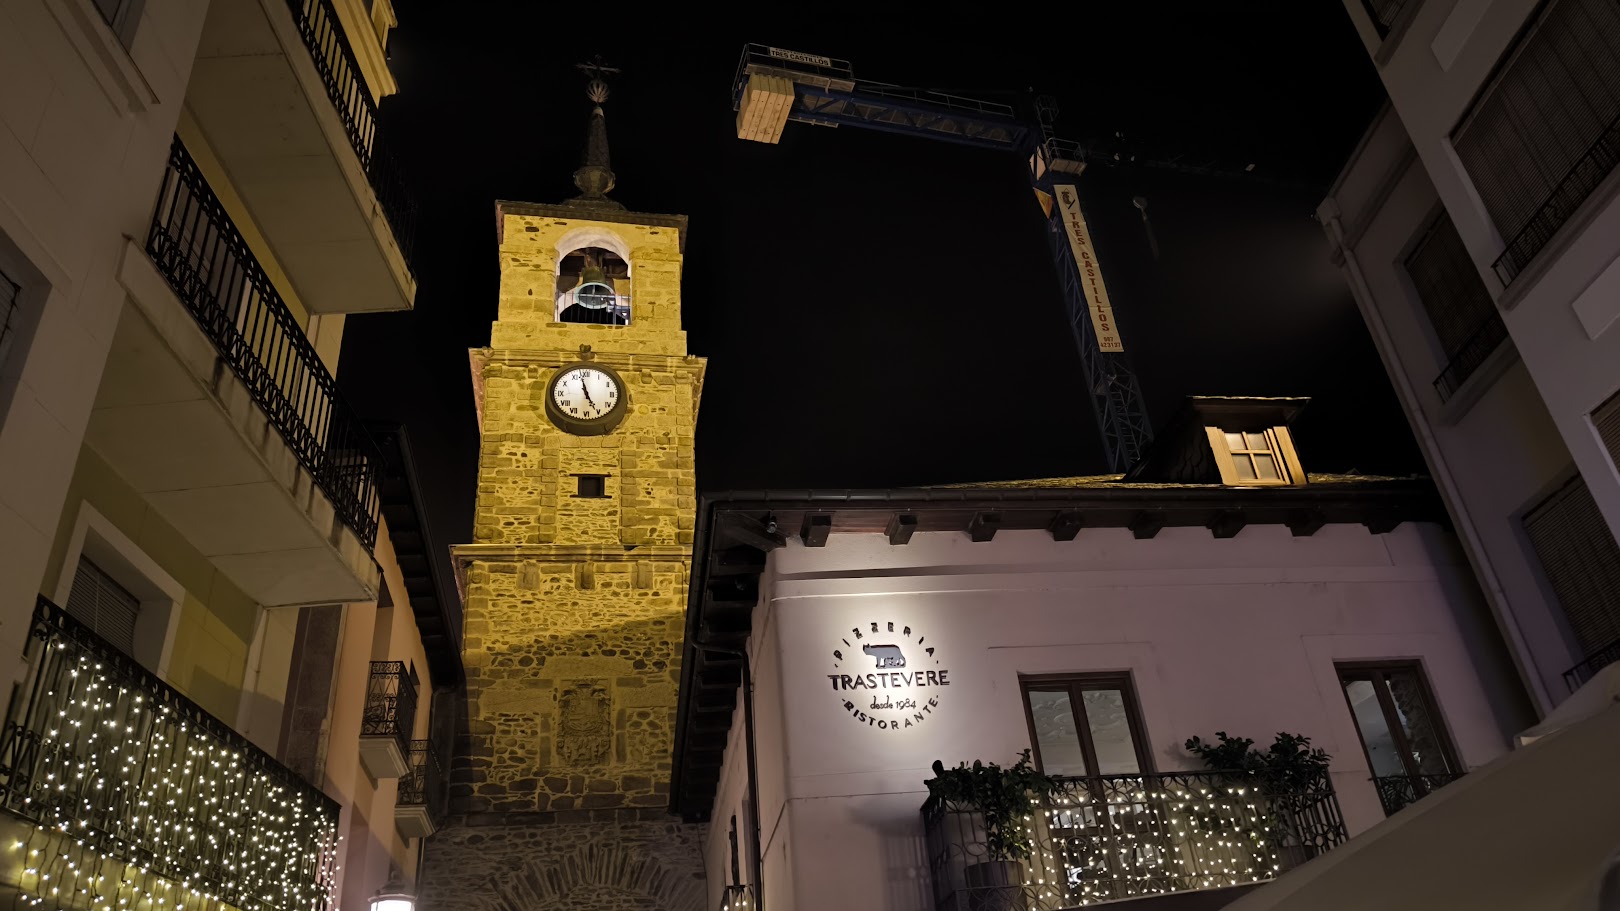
{"points": [[880, 310]]}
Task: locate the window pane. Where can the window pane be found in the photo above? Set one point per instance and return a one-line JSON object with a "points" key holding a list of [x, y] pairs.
{"points": [[1266, 467], [1234, 442], [1257, 442], [1245, 468], [1375, 733], [1421, 737], [1111, 735], [1053, 717]]}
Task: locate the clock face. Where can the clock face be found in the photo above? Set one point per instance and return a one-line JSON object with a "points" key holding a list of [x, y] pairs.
{"points": [[585, 393]]}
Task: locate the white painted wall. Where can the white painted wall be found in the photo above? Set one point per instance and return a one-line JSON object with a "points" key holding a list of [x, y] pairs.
{"points": [[1238, 635], [84, 131], [1525, 427]]}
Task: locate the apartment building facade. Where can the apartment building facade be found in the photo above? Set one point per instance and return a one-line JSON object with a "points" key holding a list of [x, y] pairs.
{"points": [[1478, 225], [841, 643], [193, 197]]}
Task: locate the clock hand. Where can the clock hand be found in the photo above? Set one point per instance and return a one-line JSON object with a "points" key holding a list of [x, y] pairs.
{"points": [[583, 388]]}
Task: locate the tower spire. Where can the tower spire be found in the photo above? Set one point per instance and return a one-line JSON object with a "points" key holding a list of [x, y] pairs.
{"points": [[594, 177]]}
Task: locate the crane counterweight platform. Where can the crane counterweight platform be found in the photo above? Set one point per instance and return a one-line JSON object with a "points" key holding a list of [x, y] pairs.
{"points": [[774, 86]]}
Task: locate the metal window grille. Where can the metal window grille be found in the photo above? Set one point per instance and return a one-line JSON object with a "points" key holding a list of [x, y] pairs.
{"points": [[9, 291], [1581, 561], [391, 703], [107, 608], [1457, 302], [1546, 130]]}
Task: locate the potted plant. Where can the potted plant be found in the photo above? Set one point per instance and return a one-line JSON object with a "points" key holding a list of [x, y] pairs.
{"points": [[1003, 799], [1286, 772]]}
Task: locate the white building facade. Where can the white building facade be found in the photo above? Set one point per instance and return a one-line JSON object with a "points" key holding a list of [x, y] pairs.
{"points": [[1478, 226], [202, 550], [1099, 623]]}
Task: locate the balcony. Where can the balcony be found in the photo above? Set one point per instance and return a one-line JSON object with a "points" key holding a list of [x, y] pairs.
{"points": [[1119, 837], [1471, 356], [105, 770], [214, 407], [386, 728], [1577, 184], [278, 92], [1577, 676], [1397, 792], [421, 792]]}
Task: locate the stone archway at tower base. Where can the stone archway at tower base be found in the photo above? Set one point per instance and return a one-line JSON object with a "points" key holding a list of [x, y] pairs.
{"points": [[630, 866]]}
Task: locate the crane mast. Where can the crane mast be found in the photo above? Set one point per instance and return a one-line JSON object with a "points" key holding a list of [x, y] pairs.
{"points": [[774, 86]]}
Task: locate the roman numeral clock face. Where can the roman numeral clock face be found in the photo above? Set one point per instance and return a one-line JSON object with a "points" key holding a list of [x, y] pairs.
{"points": [[585, 399]]}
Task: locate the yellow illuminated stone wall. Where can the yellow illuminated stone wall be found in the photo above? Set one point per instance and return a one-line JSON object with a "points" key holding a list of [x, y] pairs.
{"points": [[575, 606]]}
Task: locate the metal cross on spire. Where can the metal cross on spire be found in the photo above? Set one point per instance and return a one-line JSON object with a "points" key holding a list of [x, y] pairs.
{"points": [[597, 88]]}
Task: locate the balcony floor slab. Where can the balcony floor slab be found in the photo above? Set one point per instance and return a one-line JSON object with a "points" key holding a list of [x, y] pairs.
{"points": [[259, 100], [198, 448]]}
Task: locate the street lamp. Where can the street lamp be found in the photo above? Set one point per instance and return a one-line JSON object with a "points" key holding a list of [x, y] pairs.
{"points": [[737, 897], [394, 895]]}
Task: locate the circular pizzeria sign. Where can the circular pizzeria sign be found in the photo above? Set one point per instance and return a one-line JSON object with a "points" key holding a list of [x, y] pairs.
{"points": [[887, 677]]}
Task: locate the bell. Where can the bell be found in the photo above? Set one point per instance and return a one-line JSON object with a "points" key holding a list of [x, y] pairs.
{"points": [[593, 272]]}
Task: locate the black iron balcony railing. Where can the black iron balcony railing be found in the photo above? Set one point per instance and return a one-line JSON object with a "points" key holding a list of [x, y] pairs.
{"points": [[423, 785], [391, 703], [345, 86], [1125, 836], [208, 264], [1578, 183], [1396, 792], [119, 773], [1577, 676], [1471, 356]]}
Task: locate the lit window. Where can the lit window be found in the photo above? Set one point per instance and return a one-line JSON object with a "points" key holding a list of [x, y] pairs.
{"points": [[1256, 457]]}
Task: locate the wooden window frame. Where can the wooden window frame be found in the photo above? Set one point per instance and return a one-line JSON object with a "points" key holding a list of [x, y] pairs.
{"points": [[1076, 684], [1282, 452], [1376, 672]]}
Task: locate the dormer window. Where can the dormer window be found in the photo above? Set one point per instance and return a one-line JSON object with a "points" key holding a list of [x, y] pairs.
{"points": [[1255, 457]]}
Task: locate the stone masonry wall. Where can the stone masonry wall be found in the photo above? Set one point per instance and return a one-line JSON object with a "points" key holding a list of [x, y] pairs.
{"points": [[575, 606], [615, 862]]}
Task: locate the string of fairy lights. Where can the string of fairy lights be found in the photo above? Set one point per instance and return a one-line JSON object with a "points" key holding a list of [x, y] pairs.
{"points": [[1152, 841], [1105, 840], [138, 806]]}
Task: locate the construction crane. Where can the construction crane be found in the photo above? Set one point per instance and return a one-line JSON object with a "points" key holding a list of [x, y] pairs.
{"points": [[774, 86]]}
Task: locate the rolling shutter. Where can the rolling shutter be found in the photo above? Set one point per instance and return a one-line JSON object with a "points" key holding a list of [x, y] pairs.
{"points": [[1556, 95], [1581, 561], [103, 605]]}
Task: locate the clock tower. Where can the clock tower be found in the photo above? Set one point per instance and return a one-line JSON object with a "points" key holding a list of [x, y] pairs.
{"points": [[575, 584]]}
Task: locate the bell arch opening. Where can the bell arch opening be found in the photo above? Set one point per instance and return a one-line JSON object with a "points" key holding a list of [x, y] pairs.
{"points": [[593, 285]]}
